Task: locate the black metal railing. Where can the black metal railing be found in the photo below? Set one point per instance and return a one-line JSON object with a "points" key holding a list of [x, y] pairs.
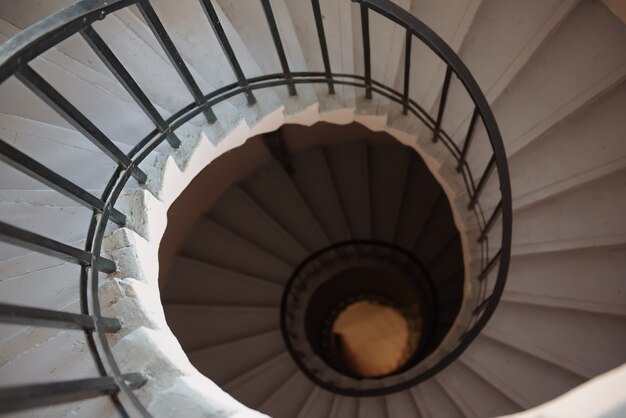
{"points": [[19, 51]]}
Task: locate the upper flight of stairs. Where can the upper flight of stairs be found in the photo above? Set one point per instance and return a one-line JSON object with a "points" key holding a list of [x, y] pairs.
{"points": [[554, 73]]}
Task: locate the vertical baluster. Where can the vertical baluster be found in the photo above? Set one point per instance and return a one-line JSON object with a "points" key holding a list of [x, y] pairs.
{"points": [[74, 117], [17, 398], [482, 305], [490, 265], [43, 245], [468, 140], [442, 103], [365, 28], [407, 72], [228, 50], [324, 48], [172, 53], [123, 76], [491, 222], [280, 50], [22, 162], [482, 182]]}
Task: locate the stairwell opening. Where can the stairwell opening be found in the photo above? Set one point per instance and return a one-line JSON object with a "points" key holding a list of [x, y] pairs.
{"points": [[368, 320], [373, 339], [275, 239]]}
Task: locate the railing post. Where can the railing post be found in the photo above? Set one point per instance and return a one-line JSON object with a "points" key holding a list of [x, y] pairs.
{"points": [[468, 140], [442, 103], [74, 117], [491, 222], [407, 72], [123, 76], [481, 306], [319, 23], [490, 265], [26, 239], [482, 182], [22, 397], [22, 162], [26, 315], [280, 50], [365, 29], [214, 20], [157, 28]]}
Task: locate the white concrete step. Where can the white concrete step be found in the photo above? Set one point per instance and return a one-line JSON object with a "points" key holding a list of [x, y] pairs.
{"points": [[191, 32], [372, 407], [389, 166], [556, 154], [451, 21], [387, 56], [318, 404], [349, 164], [197, 282], [228, 250], [65, 151], [444, 269], [583, 280], [100, 407], [251, 25], [418, 400], [60, 291], [28, 203], [18, 339], [337, 18], [436, 234], [555, 328], [22, 14], [221, 323], [258, 384], [273, 189], [138, 50], [595, 211], [344, 406], [472, 394], [419, 198], [21, 281], [58, 355], [81, 86], [562, 82], [434, 400], [594, 132], [216, 361], [288, 399], [46, 213], [239, 212], [511, 31], [594, 398], [402, 404], [508, 369], [581, 218], [314, 180]]}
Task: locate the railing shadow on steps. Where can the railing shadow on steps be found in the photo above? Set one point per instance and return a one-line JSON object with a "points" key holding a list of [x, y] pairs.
{"points": [[20, 50]]}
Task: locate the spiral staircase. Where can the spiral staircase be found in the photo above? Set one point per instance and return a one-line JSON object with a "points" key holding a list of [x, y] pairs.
{"points": [[175, 175]]}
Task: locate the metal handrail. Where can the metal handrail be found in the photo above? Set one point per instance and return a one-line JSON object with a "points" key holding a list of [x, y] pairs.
{"points": [[17, 52]]}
